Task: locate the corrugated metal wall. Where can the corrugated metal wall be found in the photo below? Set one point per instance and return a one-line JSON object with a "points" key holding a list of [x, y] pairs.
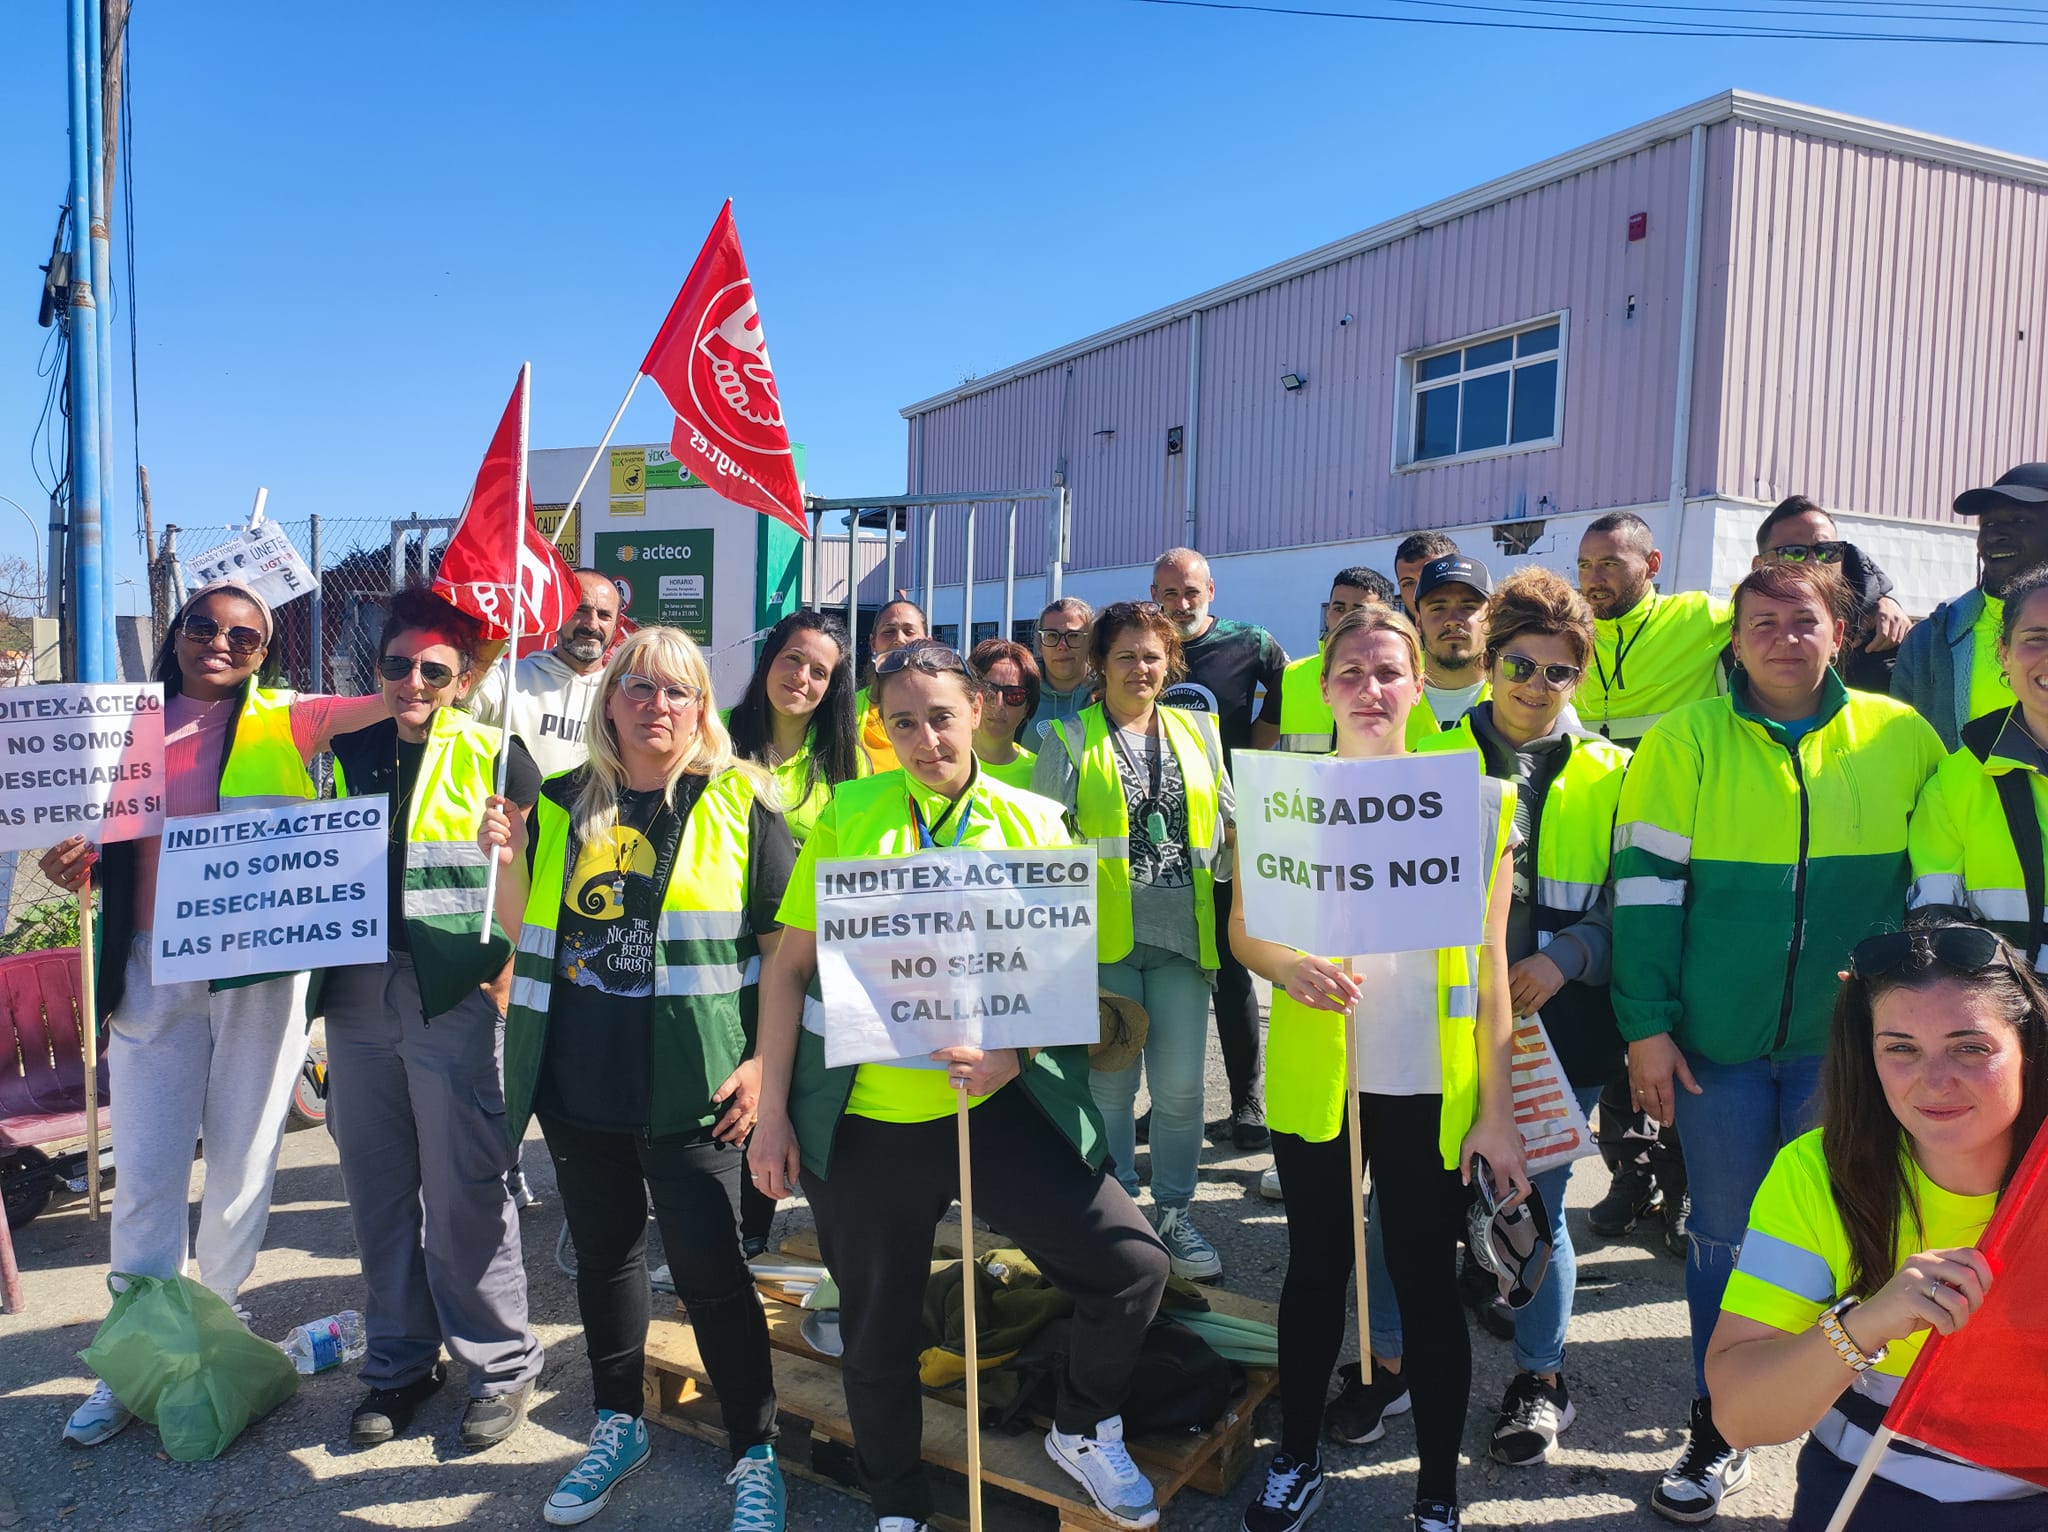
{"points": [[1874, 321]]}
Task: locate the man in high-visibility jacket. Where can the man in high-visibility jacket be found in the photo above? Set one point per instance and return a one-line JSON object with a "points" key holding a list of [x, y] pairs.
{"points": [[1306, 727]]}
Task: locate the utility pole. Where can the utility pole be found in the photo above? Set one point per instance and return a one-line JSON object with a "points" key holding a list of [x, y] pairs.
{"points": [[90, 606]]}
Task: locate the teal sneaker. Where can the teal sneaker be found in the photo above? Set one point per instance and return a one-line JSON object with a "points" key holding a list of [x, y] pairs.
{"points": [[618, 1447], [759, 1503]]}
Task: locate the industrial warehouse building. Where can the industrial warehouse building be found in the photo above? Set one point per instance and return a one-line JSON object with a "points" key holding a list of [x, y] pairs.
{"points": [[1691, 319]]}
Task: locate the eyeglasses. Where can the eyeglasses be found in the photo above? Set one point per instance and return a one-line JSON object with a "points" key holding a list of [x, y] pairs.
{"points": [[1557, 677], [204, 630], [1806, 553], [927, 656], [1053, 638], [1966, 949], [396, 667], [642, 690], [1013, 696]]}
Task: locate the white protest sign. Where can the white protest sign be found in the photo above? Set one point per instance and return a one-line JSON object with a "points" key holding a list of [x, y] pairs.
{"points": [[1346, 857], [261, 557], [80, 760], [1554, 1131], [273, 890], [988, 949]]}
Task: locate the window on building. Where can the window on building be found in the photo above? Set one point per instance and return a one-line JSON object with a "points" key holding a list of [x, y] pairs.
{"points": [[1501, 392], [947, 633], [985, 630]]}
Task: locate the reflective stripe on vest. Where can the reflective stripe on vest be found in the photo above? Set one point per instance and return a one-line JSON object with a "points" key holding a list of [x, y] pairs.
{"points": [[1102, 815]]}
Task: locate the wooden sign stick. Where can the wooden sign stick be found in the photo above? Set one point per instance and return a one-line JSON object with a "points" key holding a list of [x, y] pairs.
{"points": [[960, 1110]]}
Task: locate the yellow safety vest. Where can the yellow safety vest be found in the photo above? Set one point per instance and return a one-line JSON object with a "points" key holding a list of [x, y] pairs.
{"points": [[1662, 653], [1960, 840], [1101, 815], [1306, 724]]}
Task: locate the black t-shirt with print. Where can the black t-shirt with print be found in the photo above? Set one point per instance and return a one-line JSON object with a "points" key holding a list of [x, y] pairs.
{"points": [[1226, 667], [597, 1071]]}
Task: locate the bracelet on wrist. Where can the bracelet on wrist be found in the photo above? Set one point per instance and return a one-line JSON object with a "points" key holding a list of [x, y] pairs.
{"points": [[1838, 1337]]}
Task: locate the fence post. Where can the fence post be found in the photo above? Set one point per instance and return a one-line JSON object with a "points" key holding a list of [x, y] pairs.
{"points": [[319, 613], [967, 586], [1010, 572]]}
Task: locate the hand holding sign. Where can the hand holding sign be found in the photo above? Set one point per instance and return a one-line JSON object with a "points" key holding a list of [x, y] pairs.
{"points": [[1322, 985]]}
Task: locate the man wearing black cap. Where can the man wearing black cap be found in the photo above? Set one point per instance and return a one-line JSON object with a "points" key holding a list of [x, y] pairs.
{"points": [[1948, 665], [1450, 605]]}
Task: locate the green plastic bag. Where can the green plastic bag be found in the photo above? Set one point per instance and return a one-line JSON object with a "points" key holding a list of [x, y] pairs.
{"points": [[174, 1353]]}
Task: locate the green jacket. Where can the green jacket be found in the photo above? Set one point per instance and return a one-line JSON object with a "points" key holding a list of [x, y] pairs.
{"points": [[1746, 868]]}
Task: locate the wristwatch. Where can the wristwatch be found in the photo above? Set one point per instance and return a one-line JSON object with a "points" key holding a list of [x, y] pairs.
{"points": [[1845, 1348]]}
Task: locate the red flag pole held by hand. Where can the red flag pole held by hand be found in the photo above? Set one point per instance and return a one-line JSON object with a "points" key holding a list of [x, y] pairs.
{"points": [[518, 594]]}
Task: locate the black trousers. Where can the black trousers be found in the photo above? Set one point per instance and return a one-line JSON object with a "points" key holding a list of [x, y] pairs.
{"points": [[890, 1183], [1237, 1010], [604, 1180], [1822, 1477], [1422, 1208]]}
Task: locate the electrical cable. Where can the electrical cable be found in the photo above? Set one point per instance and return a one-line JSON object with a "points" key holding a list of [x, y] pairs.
{"points": [[1898, 10], [1619, 29]]}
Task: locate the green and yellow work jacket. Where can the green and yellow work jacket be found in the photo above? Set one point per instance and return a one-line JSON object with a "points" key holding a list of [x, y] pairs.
{"points": [[1962, 838], [1746, 866], [707, 958]]}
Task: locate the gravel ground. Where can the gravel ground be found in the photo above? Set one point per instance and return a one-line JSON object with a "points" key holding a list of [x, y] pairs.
{"points": [[1626, 1362]]}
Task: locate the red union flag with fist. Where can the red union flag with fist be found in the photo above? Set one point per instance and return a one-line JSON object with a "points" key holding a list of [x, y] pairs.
{"points": [[711, 363]]}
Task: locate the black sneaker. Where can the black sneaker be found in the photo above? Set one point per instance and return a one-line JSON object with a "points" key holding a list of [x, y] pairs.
{"points": [[1248, 1125], [1675, 1220], [1435, 1516], [1479, 1289], [1632, 1197], [1711, 1469], [490, 1419], [387, 1412], [1532, 1417], [1358, 1415], [1292, 1491]]}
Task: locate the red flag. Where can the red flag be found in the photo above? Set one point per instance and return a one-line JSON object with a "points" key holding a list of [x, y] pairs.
{"points": [[711, 362], [477, 569], [1982, 1393]]}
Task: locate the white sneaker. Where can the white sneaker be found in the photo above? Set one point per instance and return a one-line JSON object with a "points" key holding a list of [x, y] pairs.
{"points": [[901, 1524], [1101, 1465], [101, 1418], [1692, 1491], [1194, 1258], [1269, 1185]]}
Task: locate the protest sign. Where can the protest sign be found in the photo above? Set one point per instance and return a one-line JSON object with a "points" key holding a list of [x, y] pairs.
{"points": [[80, 760], [259, 556], [1347, 857], [1554, 1131], [990, 949], [302, 885]]}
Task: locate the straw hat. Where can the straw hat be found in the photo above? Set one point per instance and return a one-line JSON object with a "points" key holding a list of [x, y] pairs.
{"points": [[1124, 1025]]}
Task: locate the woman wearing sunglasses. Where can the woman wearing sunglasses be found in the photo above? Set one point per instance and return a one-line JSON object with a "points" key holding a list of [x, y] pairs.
{"points": [[1860, 1241], [874, 1146], [200, 1060], [1147, 784], [641, 903], [1760, 836], [899, 622], [1433, 1077], [1011, 676], [1976, 841], [413, 1045]]}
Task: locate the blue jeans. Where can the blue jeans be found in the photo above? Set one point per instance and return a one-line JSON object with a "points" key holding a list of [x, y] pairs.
{"points": [[1540, 1326], [1176, 1001], [1745, 1113]]}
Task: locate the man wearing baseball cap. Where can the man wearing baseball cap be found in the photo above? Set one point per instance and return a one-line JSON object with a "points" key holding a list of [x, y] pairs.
{"points": [[1450, 606], [1948, 665]]}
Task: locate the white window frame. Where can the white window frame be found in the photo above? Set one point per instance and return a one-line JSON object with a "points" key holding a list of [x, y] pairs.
{"points": [[1407, 385]]}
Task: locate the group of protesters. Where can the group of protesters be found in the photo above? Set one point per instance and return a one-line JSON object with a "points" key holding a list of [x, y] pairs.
{"points": [[1769, 870]]}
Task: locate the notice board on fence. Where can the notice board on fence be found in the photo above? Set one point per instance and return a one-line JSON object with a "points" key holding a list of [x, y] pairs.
{"points": [[80, 760], [991, 949], [256, 891]]}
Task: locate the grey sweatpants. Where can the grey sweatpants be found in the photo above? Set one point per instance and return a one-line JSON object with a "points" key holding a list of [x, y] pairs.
{"points": [[183, 1063], [418, 1113]]}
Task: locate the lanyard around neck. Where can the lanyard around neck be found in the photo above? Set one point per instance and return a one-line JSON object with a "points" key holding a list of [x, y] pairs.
{"points": [[1154, 758], [927, 836], [1621, 649]]}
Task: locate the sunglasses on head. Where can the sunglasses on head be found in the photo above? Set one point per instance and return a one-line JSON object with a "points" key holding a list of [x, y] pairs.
{"points": [[1520, 667], [642, 690], [396, 667], [1054, 638], [927, 656], [1966, 949], [203, 630], [1808, 553]]}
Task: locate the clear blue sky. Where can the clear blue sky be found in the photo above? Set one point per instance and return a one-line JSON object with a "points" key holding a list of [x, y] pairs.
{"points": [[353, 222]]}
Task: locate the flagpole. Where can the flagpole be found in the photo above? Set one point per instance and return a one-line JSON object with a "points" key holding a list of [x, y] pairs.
{"points": [[1880, 1439], [605, 441], [483, 935]]}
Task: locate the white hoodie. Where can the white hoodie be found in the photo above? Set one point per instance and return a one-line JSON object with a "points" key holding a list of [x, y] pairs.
{"points": [[551, 706]]}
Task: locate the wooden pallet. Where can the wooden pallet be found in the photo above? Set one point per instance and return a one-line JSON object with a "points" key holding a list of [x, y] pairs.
{"points": [[1022, 1487]]}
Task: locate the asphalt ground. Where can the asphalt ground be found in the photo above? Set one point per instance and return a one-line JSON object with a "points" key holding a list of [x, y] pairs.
{"points": [[1626, 1363]]}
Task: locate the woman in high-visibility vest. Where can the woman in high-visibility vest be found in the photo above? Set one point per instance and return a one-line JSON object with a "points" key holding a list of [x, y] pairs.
{"points": [[1976, 839], [874, 1144], [797, 715], [899, 622], [214, 1060], [414, 1100], [1434, 1087], [1761, 835], [1862, 1239], [1013, 684], [1148, 785], [640, 904]]}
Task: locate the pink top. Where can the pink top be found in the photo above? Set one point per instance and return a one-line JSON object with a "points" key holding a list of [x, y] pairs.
{"points": [[193, 735]]}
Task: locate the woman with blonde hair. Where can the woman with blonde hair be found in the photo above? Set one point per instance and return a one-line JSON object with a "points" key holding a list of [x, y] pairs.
{"points": [[641, 904]]}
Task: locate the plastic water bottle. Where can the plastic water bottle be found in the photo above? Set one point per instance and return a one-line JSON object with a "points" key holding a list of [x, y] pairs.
{"points": [[326, 1343]]}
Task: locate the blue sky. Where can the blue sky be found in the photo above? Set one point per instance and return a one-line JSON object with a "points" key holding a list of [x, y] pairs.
{"points": [[353, 223]]}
